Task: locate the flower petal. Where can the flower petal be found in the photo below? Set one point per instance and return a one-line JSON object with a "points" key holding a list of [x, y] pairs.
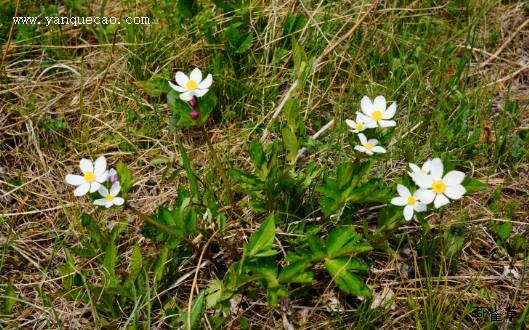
{"points": [[371, 124], [399, 201], [118, 201], [387, 123], [436, 170], [426, 167], [177, 88], [181, 79], [403, 191], [100, 202], [440, 200], [100, 165], [378, 149], [380, 103], [116, 187], [94, 186], [422, 180], [102, 177], [103, 191], [75, 180], [362, 138], [415, 168], [453, 178], [363, 118], [390, 111], [206, 83], [455, 192], [351, 123], [187, 96], [82, 189], [426, 196], [366, 106], [196, 75], [200, 92], [419, 207], [373, 142], [360, 148], [408, 212], [86, 165]]}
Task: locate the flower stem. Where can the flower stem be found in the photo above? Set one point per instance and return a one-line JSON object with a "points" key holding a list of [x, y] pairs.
{"points": [[151, 221], [222, 173]]}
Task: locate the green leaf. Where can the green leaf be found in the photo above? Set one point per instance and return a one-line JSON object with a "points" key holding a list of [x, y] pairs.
{"points": [[291, 144], [473, 185], [93, 231], [214, 293], [300, 57], [291, 111], [504, 230], [188, 8], [196, 312], [125, 178], [136, 262], [109, 263], [245, 43], [347, 281], [317, 247], [341, 241], [10, 298], [296, 272], [189, 170], [161, 261], [263, 238]]}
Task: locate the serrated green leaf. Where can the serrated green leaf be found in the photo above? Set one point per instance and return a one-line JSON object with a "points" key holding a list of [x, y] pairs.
{"points": [[161, 261], [10, 298], [126, 178], [346, 281], [296, 272], [245, 43], [473, 185], [136, 262], [341, 241], [291, 144], [93, 231], [263, 238]]}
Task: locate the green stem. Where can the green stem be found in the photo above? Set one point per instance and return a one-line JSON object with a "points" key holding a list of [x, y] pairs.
{"points": [[213, 154], [149, 220]]}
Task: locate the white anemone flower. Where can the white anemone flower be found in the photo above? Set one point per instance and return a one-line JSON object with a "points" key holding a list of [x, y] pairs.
{"points": [[369, 147], [439, 188], [425, 169], [93, 175], [109, 197], [357, 125], [410, 202], [375, 113], [191, 86]]}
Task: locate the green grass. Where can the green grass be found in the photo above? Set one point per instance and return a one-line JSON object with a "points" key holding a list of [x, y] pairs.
{"points": [[72, 92]]}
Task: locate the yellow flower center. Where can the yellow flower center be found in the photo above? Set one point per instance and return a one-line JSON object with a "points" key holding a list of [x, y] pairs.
{"points": [[191, 84], [411, 200], [109, 197], [376, 115], [89, 177], [368, 146], [359, 126], [438, 186]]}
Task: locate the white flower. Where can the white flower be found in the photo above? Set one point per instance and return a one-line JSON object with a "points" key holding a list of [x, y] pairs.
{"points": [[425, 169], [357, 126], [369, 147], [109, 198], [412, 202], [438, 188], [93, 176], [375, 113], [192, 86]]}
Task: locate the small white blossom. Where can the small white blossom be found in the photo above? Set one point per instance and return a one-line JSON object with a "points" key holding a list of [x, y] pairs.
{"points": [[191, 86], [93, 175], [357, 125], [410, 202], [438, 188], [375, 113], [109, 197], [112, 175], [369, 147], [425, 169]]}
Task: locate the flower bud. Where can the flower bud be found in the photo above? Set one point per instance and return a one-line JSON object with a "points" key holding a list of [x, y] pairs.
{"points": [[193, 102], [113, 176], [194, 115]]}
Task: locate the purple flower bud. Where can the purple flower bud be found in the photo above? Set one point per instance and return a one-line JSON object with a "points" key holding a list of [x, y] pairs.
{"points": [[194, 115], [193, 102], [113, 175]]}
